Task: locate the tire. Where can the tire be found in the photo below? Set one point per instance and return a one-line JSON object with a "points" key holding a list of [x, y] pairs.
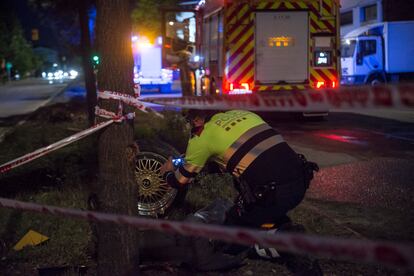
{"points": [[155, 197], [375, 80]]}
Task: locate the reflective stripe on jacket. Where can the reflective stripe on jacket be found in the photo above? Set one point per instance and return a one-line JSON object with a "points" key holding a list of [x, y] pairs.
{"points": [[234, 138]]}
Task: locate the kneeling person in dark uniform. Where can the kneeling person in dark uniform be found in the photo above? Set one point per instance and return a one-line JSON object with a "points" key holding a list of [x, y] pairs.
{"points": [[271, 178]]}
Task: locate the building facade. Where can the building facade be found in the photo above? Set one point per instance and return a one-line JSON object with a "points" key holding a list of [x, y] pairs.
{"points": [[356, 13]]}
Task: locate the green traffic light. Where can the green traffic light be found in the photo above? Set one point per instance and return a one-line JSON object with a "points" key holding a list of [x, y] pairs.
{"points": [[95, 58]]}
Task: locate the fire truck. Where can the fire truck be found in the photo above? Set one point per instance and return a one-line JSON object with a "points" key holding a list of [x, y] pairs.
{"points": [[242, 46]]}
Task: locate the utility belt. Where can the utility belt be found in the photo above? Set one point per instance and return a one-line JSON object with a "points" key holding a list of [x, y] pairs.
{"points": [[264, 195], [267, 194]]}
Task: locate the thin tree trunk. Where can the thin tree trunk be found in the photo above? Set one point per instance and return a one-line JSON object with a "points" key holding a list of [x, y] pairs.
{"points": [[86, 60], [117, 193]]}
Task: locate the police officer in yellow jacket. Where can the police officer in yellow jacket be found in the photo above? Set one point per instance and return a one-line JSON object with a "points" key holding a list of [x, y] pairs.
{"points": [[270, 177]]}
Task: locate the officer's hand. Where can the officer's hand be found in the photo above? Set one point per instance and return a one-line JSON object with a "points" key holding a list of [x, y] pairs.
{"points": [[167, 166]]}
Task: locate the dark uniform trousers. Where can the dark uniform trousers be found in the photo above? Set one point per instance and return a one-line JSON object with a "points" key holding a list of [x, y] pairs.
{"points": [[272, 185]]}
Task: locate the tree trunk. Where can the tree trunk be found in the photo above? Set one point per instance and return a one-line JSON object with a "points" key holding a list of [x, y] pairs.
{"points": [[117, 193], [86, 60]]}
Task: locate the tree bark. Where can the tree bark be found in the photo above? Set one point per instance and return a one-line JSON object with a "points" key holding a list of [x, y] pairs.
{"points": [[86, 60], [117, 193]]}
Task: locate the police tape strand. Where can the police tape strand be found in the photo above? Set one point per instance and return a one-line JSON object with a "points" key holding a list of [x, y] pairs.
{"points": [[57, 145], [127, 99], [323, 100], [113, 117], [389, 254]]}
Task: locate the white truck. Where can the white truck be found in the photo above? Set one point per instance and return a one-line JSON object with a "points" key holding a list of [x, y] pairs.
{"points": [[378, 53]]}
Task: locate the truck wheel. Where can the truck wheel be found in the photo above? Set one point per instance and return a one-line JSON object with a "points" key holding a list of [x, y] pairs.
{"points": [[154, 196], [376, 80]]}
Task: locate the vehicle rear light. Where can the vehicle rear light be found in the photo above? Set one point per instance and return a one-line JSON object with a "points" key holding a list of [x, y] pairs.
{"points": [[320, 84], [235, 88], [245, 86], [328, 84]]}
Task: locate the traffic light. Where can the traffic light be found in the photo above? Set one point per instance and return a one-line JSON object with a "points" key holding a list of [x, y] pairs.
{"points": [[35, 34], [95, 59]]}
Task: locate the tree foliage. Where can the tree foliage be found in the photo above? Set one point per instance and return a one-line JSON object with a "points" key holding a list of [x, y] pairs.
{"points": [[3, 40], [14, 47], [21, 52], [61, 17], [146, 17]]}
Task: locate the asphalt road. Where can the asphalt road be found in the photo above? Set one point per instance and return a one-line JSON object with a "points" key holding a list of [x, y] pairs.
{"points": [[19, 99], [363, 159], [25, 96]]}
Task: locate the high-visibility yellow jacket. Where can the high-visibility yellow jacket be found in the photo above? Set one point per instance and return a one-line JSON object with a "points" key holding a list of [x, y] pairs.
{"points": [[234, 139]]}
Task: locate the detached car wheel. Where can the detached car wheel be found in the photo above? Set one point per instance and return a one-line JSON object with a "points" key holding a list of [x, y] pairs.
{"points": [[155, 197]]}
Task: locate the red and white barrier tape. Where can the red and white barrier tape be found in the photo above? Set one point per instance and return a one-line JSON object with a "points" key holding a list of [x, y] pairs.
{"points": [[113, 117], [57, 145], [137, 90], [389, 254], [126, 99], [401, 97]]}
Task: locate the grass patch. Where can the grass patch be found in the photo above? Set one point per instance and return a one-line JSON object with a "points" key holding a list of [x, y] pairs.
{"points": [[69, 240], [62, 178], [171, 129]]}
